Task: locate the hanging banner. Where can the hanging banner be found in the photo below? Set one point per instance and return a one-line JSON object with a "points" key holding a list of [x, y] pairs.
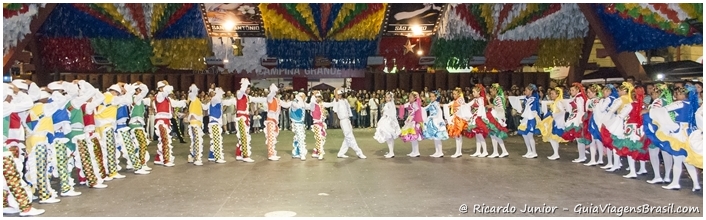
{"points": [[232, 19], [308, 73], [412, 19]]}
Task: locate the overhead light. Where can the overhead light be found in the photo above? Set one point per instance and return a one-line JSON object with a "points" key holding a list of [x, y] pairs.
{"points": [[419, 52], [416, 30], [225, 61], [228, 26], [660, 76]]}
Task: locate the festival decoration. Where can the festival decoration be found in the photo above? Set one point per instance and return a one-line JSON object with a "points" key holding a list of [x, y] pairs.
{"points": [[412, 19], [344, 33], [66, 54], [15, 22], [395, 50], [128, 55], [183, 53], [252, 49], [232, 19], [509, 33], [636, 27], [128, 35]]}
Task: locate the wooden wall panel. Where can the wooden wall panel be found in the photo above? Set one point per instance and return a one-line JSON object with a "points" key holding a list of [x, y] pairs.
{"points": [[225, 81], [380, 80], [404, 79], [210, 79], [124, 78], [504, 79], [464, 80], [429, 81], [440, 79], [417, 80], [107, 80], [69, 78], [369, 79], [135, 78], [148, 79], [174, 80], [391, 81], [200, 81], [452, 80]]}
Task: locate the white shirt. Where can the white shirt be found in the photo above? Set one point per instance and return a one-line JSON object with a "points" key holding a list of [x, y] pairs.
{"points": [[373, 103], [343, 109]]}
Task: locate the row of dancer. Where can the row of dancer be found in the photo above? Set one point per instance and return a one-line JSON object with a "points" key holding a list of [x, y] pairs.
{"points": [[478, 119], [68, 127]]}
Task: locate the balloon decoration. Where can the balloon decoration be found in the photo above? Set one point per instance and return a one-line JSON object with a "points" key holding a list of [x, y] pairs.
{"points": [[253, 49], [636, 27], [345, 33], [15, 22], [126, 34], [506, 33]]}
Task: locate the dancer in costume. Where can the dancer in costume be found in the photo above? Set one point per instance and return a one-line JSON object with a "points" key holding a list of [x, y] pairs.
{"points": [[242, 110], [137, 128], [626, 130], [296, 113], [39, 123], [676, 132], [106, 115], [478, 124], [215, 124], [79, 139], [553, 124], [163, 126], [593, 94], [229, 113], [696, 141], [63, 92], [127, 145], [661, 96], [456, 114], [274, 109], [412, 128], [98, 147], [600, 116], [434, 125], [530, 117], [615, 124], [388, 128], [496, 117], [16, 199], [343, 110], [574, 123], [318, 115], [195, 118]]}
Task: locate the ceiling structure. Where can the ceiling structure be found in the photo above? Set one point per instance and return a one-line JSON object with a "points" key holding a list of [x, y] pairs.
{"points": [[86, 37]]}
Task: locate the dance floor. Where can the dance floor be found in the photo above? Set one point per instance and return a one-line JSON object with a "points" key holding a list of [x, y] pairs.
{"points": [[374, 186]]}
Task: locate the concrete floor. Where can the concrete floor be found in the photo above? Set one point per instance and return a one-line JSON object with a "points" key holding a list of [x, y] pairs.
{"points": [[375, 186]]}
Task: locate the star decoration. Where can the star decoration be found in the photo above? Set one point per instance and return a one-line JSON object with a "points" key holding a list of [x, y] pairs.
{"points": [[409, 47]]}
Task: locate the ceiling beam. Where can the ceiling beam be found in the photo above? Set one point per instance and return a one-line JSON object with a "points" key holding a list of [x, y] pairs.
{"points": [[626, 62], [42, 15]]}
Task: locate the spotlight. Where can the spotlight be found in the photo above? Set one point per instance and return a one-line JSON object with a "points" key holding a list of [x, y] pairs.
{"points": [[416, 30], [660, 76]]}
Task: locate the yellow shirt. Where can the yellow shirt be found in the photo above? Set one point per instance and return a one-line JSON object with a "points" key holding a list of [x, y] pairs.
{"points": [[42, 124], [106, 112], [196, 110]]}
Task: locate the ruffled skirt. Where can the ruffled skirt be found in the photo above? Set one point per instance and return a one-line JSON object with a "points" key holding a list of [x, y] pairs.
{"points": [[584, 134], [435, 130], [550, 131], [696, 142], [387, 129], [456, 127], [496, 127], [528, 127], [411, 131], [671, 137], [572, 131], [626, 139], [478, 127]]}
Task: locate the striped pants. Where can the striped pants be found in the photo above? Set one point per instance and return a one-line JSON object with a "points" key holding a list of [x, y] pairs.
{"points": [[271, 133], [13, 186], [216, 135], [299, 142], [320, 136]]}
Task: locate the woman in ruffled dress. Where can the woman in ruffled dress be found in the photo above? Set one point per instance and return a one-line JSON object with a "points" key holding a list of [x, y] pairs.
{"points": [[626, 130], [574, 124], [661, 96], [530, 117], [388, 129], [412, 129], [496, 117], [434, 125], [600, 113], [586, 138], [676, 132], [456, 119], [553, 124], [478, 125]]}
